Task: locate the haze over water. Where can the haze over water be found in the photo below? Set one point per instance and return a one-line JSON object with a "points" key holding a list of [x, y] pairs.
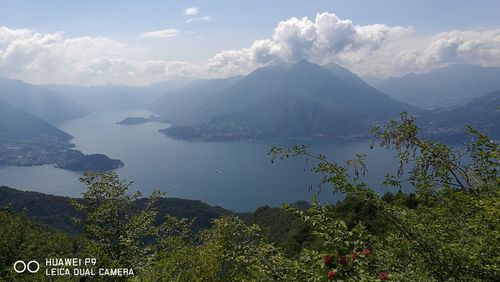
{"points": [[235, 175]]}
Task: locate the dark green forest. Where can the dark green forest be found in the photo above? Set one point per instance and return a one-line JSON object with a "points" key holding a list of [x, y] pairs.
{"points": [[446, 230]]}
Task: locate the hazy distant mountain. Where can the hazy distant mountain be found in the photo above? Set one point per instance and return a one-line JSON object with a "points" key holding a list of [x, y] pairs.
{"points": [[111, 97], [373, 80], [482, 113], [450, 86], [286, 100], [48, 105], [17, 124], [188, 103]]}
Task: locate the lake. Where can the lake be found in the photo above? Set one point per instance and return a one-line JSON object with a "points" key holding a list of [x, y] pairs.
{"points": [[236, 175]]}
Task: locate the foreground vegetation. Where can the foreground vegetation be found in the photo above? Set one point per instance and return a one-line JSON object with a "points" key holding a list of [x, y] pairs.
{"points": [[448, 230]]}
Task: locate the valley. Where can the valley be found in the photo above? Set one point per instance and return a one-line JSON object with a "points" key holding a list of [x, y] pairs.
{"points": [[220, 130]]}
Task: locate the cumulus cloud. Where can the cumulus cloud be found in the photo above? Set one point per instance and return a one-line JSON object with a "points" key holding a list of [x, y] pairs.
{"points": [[423, 54], [460, 46], [199, 19], [320, 40], [163, 33], [52, 58], [8, 35], [192, 11], [376, 49]]}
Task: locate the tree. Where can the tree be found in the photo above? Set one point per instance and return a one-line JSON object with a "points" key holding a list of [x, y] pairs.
{"points": [[21, 239], [114, 229], [452, 230]]}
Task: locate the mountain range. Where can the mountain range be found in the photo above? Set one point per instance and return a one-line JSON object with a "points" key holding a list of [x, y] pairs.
{"points": [[449, 124], [111, 97], [17, 124], [299, 99], [453, 85], [287, 100], [49, 105]]}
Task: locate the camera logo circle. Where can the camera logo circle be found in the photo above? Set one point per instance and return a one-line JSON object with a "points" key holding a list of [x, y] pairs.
{"points": [[32, 266]]}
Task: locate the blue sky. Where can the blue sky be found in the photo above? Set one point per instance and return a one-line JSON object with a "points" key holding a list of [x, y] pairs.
{"points": [[236, 25]]}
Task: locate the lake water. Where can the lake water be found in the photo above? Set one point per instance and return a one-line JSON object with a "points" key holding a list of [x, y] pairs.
{"points": [[235, 175]]}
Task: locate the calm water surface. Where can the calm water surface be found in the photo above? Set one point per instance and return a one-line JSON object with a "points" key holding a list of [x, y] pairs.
{"points": [[235, 175]]}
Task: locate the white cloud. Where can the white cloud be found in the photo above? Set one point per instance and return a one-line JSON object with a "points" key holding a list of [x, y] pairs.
{"points": [[192, 11], [461, 46], [52, 58], [163, 33], [199, 19], [8, 35], [423, 54], [321, 40], [180, 68], [365, 49]]}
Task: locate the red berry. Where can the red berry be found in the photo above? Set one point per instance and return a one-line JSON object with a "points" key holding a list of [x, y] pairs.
{"points": [[366, 252], [327, 260], [342, 260], [331, 274], [354, 255], [383, 276]]}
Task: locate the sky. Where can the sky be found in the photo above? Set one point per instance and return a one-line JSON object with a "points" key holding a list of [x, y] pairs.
{"points": [[140, 42]]}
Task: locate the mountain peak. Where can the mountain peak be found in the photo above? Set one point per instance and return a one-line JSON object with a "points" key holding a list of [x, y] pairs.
{"points": [[303, 62], [280, 100]]}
